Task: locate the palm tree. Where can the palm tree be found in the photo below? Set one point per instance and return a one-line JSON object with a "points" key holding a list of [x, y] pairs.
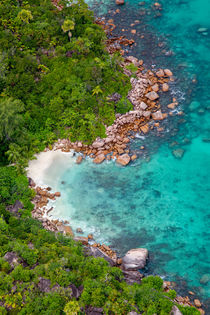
{"points": [[68, 25], [25, 15], [13, 153], [10, 117]]}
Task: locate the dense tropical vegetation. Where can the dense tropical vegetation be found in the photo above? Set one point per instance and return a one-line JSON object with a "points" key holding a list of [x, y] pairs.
{"points": [[56, 79], [51, 274]]}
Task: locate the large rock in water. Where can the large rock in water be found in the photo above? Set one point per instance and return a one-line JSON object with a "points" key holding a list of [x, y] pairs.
{"points": [[135, 259], [99, 159], [123, 159]]}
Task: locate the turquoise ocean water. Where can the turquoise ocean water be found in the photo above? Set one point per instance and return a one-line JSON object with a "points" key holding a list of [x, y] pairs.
{"points": [[158, 202]]}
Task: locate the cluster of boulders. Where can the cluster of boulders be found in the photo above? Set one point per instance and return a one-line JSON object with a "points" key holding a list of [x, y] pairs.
{"points": [[146, 110]]}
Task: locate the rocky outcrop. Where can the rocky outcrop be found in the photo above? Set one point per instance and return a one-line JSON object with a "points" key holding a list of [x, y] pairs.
{"points": [[68, 231], [132, 276], [123, 159], [15, 208], [96, 252], [12, 258], [175, 311], [152, 95], [135, 259]]}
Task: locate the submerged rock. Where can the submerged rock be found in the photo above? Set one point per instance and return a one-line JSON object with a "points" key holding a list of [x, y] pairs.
{"points": [[194, 105], [123, 159], [205, 279], [135, 259], [178, 153]]}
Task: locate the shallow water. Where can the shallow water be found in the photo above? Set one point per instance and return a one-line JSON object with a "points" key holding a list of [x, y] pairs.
{"points": [[159, 202]]}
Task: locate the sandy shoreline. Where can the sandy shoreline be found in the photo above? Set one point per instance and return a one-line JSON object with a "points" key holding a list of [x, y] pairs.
{"points": [[38, 168]]}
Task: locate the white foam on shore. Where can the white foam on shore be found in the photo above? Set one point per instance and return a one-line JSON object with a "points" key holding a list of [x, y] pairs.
{"points": [[38, 168]]}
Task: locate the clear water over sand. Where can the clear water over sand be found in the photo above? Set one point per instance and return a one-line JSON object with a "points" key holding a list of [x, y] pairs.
{"points": [[162, 204]]}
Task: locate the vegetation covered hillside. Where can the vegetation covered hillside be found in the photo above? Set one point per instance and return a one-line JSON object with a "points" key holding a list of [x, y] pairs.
{"points": [[44, 273], [56, 79]]}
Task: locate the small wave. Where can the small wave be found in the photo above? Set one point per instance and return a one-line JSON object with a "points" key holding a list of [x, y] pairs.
{"points": [[139, 136]]}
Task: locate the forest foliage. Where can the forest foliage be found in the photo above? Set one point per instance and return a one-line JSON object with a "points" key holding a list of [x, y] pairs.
{"points": [[56, 77]]}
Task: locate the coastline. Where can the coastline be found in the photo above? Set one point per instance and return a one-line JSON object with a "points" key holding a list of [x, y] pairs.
{"points": [[140, 119]]}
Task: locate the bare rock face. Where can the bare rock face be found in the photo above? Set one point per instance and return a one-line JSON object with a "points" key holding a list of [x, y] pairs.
{"points": [[15, 208], [123, 159], [143, 106], [96, 252], [152, 96], [175, 311], [99, 159], [132, 276], [12, 258], [135, 259]]}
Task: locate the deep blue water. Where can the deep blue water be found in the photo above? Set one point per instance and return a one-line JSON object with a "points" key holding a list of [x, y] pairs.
{"points": [[158, 202]]}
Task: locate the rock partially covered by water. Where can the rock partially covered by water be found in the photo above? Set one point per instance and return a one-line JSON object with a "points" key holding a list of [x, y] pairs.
{"points": [[135, 259], [123, 159], [99, 159], [79, 159], [119, 2], [175, 311]]}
